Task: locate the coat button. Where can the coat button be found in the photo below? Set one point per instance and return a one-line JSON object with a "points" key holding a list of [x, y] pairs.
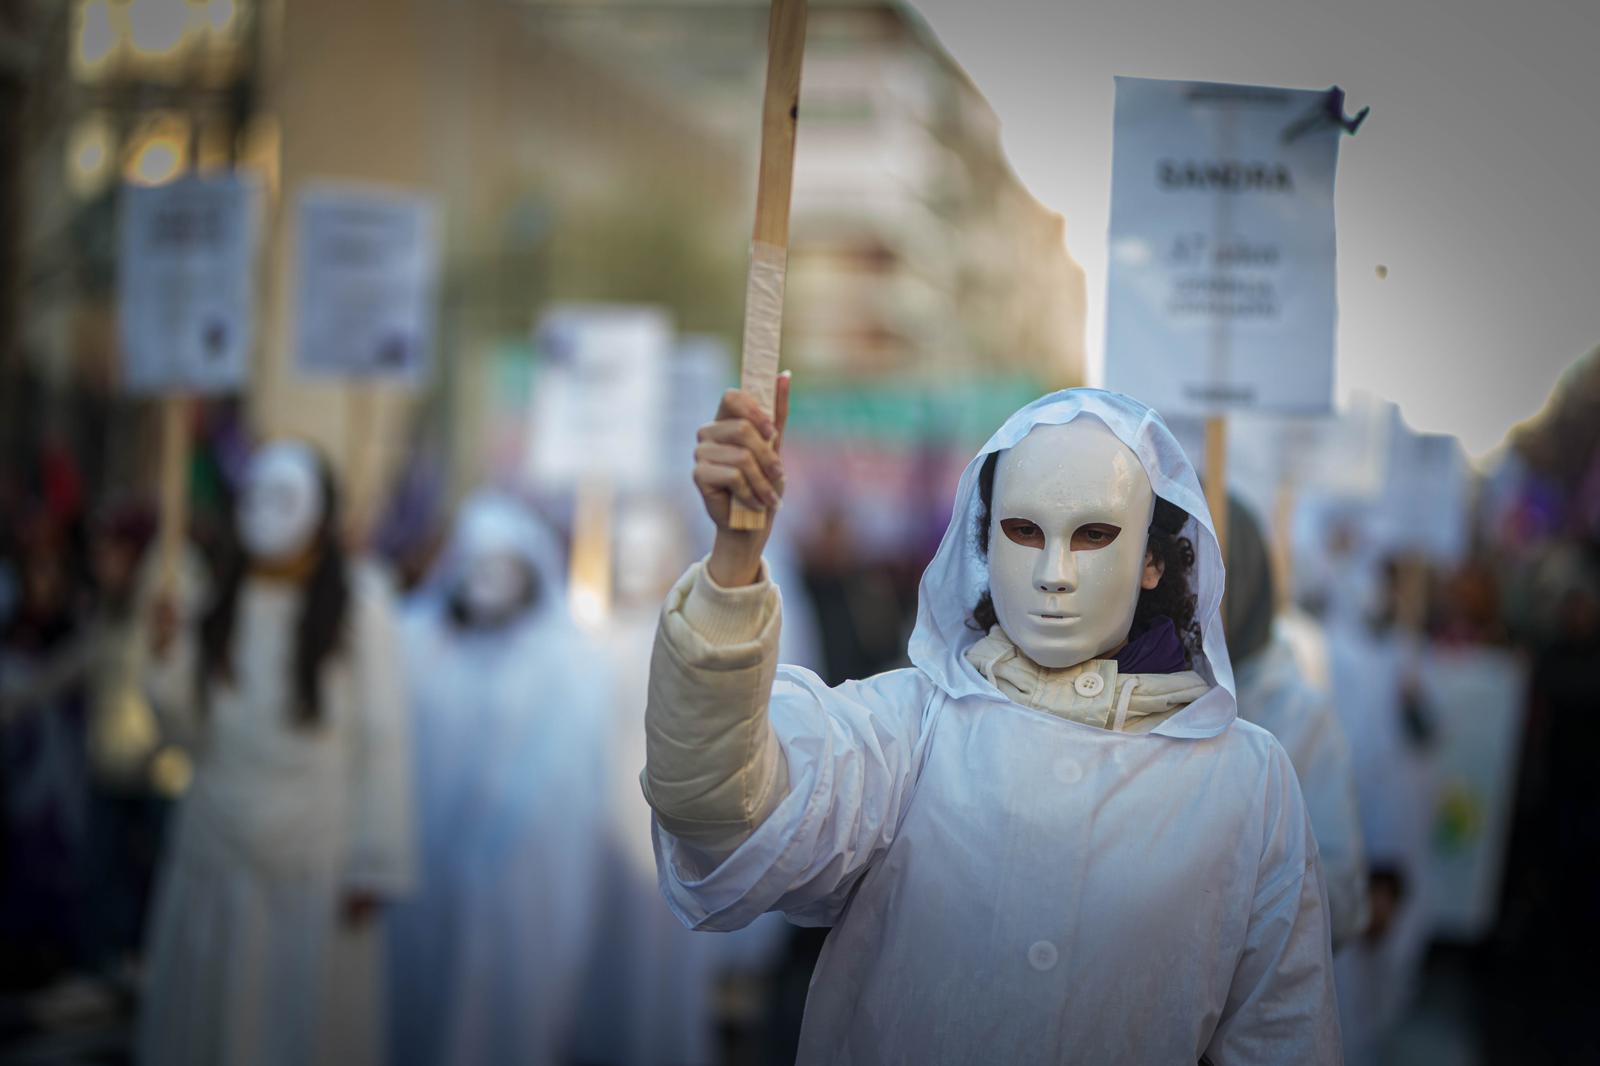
{"points": [[1068, 771], [1042, 956], [1089, 685]]}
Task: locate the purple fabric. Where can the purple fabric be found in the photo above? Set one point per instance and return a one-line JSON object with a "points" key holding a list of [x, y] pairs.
{"points": [[1155, 651]]}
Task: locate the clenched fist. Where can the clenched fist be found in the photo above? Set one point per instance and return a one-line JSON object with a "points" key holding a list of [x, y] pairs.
{"points": [[737, 458]]}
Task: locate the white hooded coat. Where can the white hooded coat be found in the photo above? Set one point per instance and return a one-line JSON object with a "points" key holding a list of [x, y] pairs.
{"points": [[249, 962], [510, 725], [1005, 885]]}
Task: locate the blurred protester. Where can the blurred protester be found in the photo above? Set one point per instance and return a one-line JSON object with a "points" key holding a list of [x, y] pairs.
{"points": [[43, 769], [862, 619], [1551, 923], [510, 705], [296, 830], [99, 667], [1274, 695], [934, 816], [651, 997], [1371, 658]]}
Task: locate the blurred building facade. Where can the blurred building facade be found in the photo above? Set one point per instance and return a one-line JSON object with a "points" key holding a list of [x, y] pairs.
{"points": [[576, 151]]}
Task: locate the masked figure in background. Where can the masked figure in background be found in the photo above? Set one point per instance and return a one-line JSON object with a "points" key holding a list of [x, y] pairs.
{"points": [[296, 828], [1046, 841], [509, 708], [1274, 695]]}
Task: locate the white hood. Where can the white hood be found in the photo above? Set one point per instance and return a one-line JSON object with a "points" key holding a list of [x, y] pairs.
{"points": [[506, 520], [958, 575]]}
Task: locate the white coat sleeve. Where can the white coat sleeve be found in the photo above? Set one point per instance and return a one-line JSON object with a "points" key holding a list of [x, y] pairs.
{"points": [[382, 854], [848, 758], [713, 771], [1281, 1006]]}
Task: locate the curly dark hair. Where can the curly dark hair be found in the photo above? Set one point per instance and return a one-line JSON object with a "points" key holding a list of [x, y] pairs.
{"points": [[320, 632], [1172, 598]]}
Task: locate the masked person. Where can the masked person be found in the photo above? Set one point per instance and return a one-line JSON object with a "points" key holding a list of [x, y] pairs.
{"points": [[510, 711], [1275, 696], [296, 829], [1048, 840]]}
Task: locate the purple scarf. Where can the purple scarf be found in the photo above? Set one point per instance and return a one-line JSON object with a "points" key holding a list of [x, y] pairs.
{"points": [[1155, 651]]}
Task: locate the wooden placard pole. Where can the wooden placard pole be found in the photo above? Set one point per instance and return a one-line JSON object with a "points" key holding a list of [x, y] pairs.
{"points": [[176, 443], [1283, 547], [361, 429], [1411, 593], [590, 566], [1217, 478], [763, 310]]}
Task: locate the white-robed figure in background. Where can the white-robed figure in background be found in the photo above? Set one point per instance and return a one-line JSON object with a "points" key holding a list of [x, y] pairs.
{"points": [[1275, 695], [1049, 839], [650, 999], [265, 943], [510, 708]]}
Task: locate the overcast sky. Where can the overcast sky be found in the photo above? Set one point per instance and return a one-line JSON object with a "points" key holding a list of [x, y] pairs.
{"points": [[1476, 180]]}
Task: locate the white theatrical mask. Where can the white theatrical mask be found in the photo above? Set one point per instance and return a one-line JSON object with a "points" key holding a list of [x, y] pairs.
{"points": [[1068, 527], [281, 506], [494, 585], [495, 578]]}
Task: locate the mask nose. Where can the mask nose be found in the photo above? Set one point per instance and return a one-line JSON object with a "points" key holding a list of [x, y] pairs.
{"points": [[1057, 568]]}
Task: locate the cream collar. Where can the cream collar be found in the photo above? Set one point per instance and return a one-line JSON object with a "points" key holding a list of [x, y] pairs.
{"points": [[1091, 693]]}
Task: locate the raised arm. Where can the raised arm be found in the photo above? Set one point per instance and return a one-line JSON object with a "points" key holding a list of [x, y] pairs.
{"points": [[714, 770]]}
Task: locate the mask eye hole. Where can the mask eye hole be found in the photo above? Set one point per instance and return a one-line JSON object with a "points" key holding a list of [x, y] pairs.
{"points": [[1094, 536], [1023, 532]]}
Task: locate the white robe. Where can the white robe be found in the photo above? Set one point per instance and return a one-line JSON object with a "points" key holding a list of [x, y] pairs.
{"points": [[1009, 886], [1377, 981], [1274, 695], [488, 957], [249, 963], [650, 999]]}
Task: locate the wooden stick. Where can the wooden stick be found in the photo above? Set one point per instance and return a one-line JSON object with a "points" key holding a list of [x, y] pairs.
{"points": [[1411, 593], [174, 520], [763, 310], [360, 430], [1283, 546], [590, 566], [1217, 478]]}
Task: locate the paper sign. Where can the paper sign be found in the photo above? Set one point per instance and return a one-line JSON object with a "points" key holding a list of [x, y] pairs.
{"points": [[1425, 502], [1221, 290], [600, 396], [368, 264], [1477, 698], [185, 289]]}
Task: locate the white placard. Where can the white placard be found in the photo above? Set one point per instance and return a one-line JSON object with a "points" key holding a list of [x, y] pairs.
{"points": [[1221, 293], [1340, 457], [1477, 699], [367, 283], [600, 396], [185, 288], [1424, 507], [701, 367]]}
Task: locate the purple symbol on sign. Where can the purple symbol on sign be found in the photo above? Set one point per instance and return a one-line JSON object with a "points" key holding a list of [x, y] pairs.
{"points": [[214, 339], [394, 351]]}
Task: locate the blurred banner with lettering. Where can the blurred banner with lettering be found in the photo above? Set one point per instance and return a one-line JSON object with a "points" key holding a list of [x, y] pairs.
{"points": [[1221, 288], [185, 284]]}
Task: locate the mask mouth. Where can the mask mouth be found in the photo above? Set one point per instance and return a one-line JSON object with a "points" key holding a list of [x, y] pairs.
{"points": [[1053, 617]]}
